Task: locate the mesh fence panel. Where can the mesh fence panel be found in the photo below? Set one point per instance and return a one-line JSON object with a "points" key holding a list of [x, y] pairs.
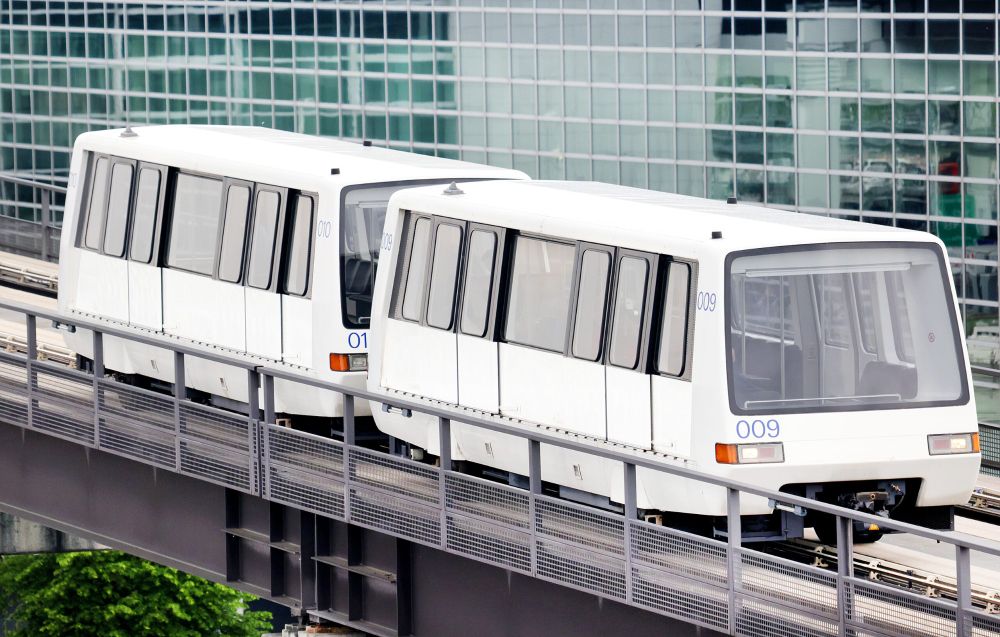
{"points": [[216, 464], [577, 566], [304, 451], [784, 581], [394, 474], [898, 612], [580, 525], [488, 500], [484, 540], [137, 441], [678, 552], [215, 426], [983, 625], [680, 597], [63, 403], [989, 437], [131, 404], [395, 515], [306, 491], [758, 618], [13, 391]]}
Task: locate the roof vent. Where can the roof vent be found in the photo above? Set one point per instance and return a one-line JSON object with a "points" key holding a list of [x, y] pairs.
{"points": [[128, 132], [717, 234], [334, 171], [731, 200], [367, 142], [453, 189]]}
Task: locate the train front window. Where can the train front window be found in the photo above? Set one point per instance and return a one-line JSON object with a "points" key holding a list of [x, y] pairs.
{"points": [[361, 224], [857, 326]]}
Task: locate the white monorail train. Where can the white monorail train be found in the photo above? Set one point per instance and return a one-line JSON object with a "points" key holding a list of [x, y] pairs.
{"points": [[817, 356], [244, 240]]}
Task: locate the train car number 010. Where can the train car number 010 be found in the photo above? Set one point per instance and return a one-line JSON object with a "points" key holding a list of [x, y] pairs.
{"points": [[758, 429]]}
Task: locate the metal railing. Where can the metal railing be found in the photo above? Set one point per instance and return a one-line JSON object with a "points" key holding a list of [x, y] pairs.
{"points": [[989, 433], [30, 213], [718, 584]]}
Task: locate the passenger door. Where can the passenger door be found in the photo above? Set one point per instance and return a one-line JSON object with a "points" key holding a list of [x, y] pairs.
{"points": [[628, 385], [478, 376], [263, 303], [420, 342], [671, 384], [296, 307], [145, 278], [539, 380]]}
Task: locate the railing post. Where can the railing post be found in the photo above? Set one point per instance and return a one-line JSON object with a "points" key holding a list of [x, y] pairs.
{"points": [[963, 577], [444, 437], [534, 490], [845, 570], [32, 355], [270, 416], [46, 217], [254, 430], [631, 509], [349, 440], [98, 375], [180, 393], [734, 533]]}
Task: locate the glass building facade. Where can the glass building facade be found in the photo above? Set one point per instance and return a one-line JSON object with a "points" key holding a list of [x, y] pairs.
{"points": [[880, 110]]}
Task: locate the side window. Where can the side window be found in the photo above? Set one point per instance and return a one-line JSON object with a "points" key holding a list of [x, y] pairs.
{"points": [[147, 200], [595, 266], [119, 197], [444, 276], [864, 301], [479, 270], [629, 308], [673, 331], [540, 288], [234, 233], [299, 249], [194, 223], [98, 204], [263, 239], [413, 291], [899, 316]]}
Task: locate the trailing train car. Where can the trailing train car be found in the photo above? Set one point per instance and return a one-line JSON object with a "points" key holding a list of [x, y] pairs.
{"points": [[245, 240], [813, 355]]}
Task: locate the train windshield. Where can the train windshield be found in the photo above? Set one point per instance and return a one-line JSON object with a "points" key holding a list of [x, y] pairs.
{"points": [[362, 220], [857, 326]]}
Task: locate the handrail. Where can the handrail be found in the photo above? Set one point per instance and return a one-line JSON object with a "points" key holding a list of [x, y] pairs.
{"points": [[569, 441], [985, 371], [21, 181]]}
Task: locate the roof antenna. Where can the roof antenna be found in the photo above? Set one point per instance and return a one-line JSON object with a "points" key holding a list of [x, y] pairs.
{"points": [[128, 132], [453, 189]]}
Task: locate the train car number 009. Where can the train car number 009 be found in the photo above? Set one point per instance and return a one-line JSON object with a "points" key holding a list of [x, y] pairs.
{"points": [[707, 301], [758, 429]]}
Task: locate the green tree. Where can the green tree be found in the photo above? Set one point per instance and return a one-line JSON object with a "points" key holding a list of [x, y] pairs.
{"points": [[112, 594]]}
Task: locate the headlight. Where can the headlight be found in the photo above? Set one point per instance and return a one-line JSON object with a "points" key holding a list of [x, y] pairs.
{"points": [[946, 444], [760, 453]]}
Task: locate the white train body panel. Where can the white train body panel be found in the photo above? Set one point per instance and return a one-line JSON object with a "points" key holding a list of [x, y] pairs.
{"points": [[679, 420], [267, 327]]}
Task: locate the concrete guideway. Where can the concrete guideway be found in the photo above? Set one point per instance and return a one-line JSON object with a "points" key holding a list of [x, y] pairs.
{"points": [[719, 585]]}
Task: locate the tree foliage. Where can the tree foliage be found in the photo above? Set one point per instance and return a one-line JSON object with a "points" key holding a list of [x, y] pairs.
{"points": [[112, 594]]}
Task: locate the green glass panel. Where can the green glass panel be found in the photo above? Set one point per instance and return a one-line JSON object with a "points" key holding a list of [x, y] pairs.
{"points": [[980, 78], [498, 97], [549, 65], [423, 128], [720, 145], [811, 112], [812, 190], [423, 92], [447, 129], [911, 156], [810, 74], [811, 151], [631, 68], [980, 119], [749, 109], [943, 77], [659, 68], [662, 177], [779, 110], [718, 70], [604, 103], [719, 108], [720, 183], [691, 179], [780, 149], [876, 115], [981, 202], [261, 85], [981, 160], [497, 63], [522, 62], [473, 98], [910, 76], [843, 74], [911, 197], [747, 71], [603, 66], [749, 184], [398, 92], [910, 116], [661, 105], [689, 71], [876, 75], [844, 192], [605, 139], [473, 131], [282, 55], [399, 128], [661, 142], [691, 144], [577, 101], [632, 104], [781, 188], [550, 136], [689, 107], [778, 71], [943, 117], [577, 138], [749, 147]]}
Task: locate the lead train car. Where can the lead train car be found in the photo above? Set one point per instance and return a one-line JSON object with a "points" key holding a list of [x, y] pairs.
{"points": [[244, 240], [813, 355]]}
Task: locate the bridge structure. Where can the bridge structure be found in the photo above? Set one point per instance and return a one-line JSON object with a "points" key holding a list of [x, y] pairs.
{"points": [[341, 531]]}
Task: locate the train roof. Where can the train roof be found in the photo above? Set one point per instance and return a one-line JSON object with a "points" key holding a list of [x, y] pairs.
{"points": [[605, 213], [281, 151]]}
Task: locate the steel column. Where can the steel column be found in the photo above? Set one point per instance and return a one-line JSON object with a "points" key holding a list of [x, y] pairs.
{"points": [[98, 375], [963, 603], [444, 438], [32, 355], [46, 221], [348, 442], [845, 571], [180, 394], [254, 431], [734, 532], [631, 510], [534, 489]]}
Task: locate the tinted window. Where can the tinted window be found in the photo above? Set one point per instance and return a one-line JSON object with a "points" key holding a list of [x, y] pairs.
{"points": [[234, 232], [413, 293], [297, 273], [194, 224], [538, 308], [626, 326], [444, 276], [147, 197], [587, 331], [98, 204], [361, 225], [265, 225], [673, 332], [118, 201], [478, 282]]}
